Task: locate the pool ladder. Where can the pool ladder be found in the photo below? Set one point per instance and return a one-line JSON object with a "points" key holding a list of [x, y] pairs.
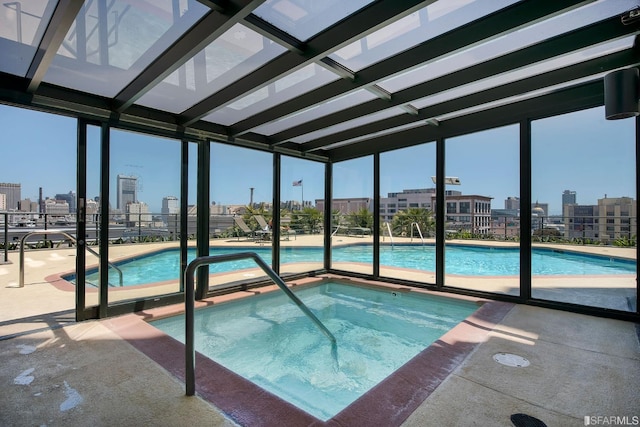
{"points": [[68, 236], [189, 302]]}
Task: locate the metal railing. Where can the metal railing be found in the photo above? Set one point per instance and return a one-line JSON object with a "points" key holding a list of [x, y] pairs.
{"points": [[68, 236], [390, 233], [190, 353], [415, 224]]}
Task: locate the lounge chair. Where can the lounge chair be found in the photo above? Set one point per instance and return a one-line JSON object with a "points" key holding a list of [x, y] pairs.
{"points": [[244, 228], [265, 229]]}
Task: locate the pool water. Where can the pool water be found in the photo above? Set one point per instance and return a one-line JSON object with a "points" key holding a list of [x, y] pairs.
{"points": [[460, 260], [269, 341]]}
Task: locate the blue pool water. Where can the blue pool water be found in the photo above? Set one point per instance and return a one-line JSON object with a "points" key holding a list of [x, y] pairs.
{"points": [[269, 341], [460, 260]]}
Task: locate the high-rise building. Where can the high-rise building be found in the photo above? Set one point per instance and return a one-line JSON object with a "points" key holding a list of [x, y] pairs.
{"points": [[568, 198], [127, 191], [405, 199], [3, 202], [70, 198], [170, 206], [13, 193], [512, 203]]}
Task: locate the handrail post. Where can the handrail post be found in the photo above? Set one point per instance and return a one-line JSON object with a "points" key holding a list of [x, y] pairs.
{"points": [[189, 302]]}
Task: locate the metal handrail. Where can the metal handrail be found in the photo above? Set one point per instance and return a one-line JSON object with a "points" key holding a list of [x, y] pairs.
{"points": [[390, 234], [68, 236], [419, 232], [189, 302]]}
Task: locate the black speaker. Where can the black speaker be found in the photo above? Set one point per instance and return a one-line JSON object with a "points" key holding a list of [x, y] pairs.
{"points": [[621, 94]]}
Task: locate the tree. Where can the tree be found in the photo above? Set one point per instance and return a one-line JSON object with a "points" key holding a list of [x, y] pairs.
{"points": [[401, 223], [309, 219], [361, 218]]}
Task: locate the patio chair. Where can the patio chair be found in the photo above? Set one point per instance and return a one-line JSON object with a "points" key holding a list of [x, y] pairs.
{"points": [[244, 228], [265, 229]]}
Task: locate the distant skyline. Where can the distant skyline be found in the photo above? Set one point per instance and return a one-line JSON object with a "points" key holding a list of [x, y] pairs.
{"points": [[39, 150]]}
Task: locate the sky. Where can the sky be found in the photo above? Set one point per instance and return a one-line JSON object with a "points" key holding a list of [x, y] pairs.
{"points": [[580, 151]]}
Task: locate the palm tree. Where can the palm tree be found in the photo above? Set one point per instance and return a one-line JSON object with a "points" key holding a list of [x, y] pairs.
{"points": [[362, 218], [401, 223], [309, 219]]}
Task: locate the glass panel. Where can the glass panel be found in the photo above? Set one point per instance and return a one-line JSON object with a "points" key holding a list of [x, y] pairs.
{"points": [[369, 118], [511, 42], [233, 55], [144, 171], [482, 250], [304, 19], [37, 193], [22, 25], [352, 216], [350, 100], [106, 48], [531, 70], [291, 86], [93, 212], [301, 231], [407, 220], [584, 220], [427, 23], [241, 209]]}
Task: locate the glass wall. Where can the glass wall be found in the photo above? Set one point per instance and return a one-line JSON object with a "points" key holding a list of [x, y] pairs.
{"points": [[352, 216], [93, 212], [407, 219], [584, 213], [37, 193], [144, 177], [482, 197], [241, 208], [301, 222]]}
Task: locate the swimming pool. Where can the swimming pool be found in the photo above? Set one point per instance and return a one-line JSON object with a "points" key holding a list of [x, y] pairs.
{"points": [[460, 260], [267, 340]]}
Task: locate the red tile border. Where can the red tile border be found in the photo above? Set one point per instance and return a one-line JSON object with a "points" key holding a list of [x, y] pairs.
{"points": [[387, 404]]}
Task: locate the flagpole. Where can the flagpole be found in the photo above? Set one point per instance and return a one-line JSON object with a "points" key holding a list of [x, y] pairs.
{"points": [[302, 193]]}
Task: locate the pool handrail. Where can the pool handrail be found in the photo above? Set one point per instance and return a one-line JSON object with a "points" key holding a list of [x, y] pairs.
{"points": [[68, 236], [419, 231], [390, 234], [189, 302]]}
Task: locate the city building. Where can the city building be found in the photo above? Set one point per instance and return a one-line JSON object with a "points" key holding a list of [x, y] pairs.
{"points": [[569, 198], [70, 198], [3, 202], [512, 203], [405, 199], [12, 194], [127, 191], [138, 215], [469, 213], [611, 219], [170, 206], [348, 205], [26, 205], [56, 207]]}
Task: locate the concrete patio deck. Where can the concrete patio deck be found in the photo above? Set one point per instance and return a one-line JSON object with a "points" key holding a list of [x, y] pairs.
{"points": [[59, 372]]}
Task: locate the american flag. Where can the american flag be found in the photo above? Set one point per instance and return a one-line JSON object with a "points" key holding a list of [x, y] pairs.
{"points": [[297, 183]]}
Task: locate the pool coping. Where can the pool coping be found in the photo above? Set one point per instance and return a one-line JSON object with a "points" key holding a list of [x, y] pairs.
{"points": [[388, 403]]}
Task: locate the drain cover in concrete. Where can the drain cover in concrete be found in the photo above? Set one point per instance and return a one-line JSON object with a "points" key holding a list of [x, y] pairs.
{"points": [[509, 359]]}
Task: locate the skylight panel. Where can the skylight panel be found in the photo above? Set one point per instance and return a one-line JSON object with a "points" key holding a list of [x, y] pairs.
{"points": [[435, 19], [335, 105], [529, 71], [304, 19], [105, 49], [288, 87], [233, 55], [511, 42], [22, 25], [369, 118]]}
